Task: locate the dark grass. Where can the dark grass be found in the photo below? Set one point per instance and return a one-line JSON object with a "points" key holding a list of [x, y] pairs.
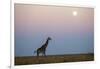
{"points": [[53, 59]]}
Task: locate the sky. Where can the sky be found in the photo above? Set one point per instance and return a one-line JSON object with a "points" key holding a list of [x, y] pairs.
{"points": [[71, 29]]}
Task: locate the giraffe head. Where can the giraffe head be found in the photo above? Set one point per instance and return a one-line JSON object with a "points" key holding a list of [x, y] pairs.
{"points": [[49, 38]]}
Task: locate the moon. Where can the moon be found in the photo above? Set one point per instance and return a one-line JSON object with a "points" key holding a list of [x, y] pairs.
{"points": [[74, 13]]}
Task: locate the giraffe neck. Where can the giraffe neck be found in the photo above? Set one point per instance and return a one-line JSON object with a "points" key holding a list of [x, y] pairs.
{"points": [[46, 44]]}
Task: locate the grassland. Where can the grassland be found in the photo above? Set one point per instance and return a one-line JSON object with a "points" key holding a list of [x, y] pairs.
{"points": [[53, 59]]}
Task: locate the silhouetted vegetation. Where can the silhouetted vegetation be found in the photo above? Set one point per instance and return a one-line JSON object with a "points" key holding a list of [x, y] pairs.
{"points": [[53, 59]]}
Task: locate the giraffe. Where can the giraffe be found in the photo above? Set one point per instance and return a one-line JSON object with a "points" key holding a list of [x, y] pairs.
{"points": [[42, 49]]}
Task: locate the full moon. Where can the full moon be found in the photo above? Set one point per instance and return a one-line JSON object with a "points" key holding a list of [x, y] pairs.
{"points": [[74, 13]]}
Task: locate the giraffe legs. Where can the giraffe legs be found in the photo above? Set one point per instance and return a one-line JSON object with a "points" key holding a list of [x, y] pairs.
{"points": [[37, 53], [41, 52], [44, 54]]}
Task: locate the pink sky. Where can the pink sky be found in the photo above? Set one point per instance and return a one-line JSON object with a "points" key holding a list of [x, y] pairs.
{"points": [[54, 18]]}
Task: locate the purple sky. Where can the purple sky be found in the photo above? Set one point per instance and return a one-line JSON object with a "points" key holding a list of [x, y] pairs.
{"points": [[70, 34]]}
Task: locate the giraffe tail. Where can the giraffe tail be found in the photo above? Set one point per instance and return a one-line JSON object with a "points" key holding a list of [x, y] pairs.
{"points": [[35, 51]]}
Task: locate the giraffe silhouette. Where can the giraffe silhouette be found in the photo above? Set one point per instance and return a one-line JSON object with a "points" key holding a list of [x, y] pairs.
{"points": [[42, 49]]}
